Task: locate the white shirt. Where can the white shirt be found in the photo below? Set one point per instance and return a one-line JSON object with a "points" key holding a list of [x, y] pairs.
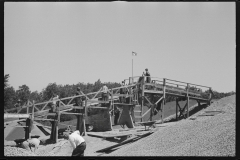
{"points": [[105, 89], [55, 99], [75, 139]]}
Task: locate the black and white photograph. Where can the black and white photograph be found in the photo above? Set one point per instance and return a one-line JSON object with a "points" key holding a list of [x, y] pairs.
{"points": [[119, 79]]}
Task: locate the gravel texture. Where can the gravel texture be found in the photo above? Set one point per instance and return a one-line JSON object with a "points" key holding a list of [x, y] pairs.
{"points": [[195, 136], [204, 136]]}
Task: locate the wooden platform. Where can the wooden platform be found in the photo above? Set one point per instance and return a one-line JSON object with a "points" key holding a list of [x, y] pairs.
{"points": [[109, 134]]}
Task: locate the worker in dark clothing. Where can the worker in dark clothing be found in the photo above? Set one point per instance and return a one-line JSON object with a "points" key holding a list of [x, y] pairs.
{"points": [[18, 104], [78, 100], [148, 80], [122, 91]]}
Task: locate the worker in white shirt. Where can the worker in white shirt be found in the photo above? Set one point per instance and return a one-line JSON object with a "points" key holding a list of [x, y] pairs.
{"points": [[77, 142], [30, 144], [105, 93]]}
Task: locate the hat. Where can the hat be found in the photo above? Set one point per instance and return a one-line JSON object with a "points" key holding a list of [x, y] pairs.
{"points": [[66, 135], [146, 69]]}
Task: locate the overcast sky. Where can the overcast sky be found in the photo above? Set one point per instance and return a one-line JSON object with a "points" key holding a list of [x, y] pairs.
{"points": [[71, 42]]}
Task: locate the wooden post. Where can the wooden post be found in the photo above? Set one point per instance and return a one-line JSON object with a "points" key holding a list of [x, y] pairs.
{"points": [[85, 114], [58, 121], [176, 109], [143, 86], [187, 107], [27, 107], [113, 115], [27, 128], [162, 107], [187, 101], [32, 118], [151, 115]]}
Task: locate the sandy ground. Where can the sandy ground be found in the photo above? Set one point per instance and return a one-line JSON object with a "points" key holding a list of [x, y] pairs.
{"points": [[197, 135]]}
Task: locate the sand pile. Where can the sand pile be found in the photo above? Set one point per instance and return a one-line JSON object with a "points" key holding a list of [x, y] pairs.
{"points": [[200, 136]]}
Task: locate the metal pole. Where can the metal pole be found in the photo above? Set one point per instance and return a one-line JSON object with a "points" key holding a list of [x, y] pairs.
{"points": [[132, 70]]}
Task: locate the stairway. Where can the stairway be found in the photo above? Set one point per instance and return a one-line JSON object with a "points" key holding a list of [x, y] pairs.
{"points": [[137, 113]]}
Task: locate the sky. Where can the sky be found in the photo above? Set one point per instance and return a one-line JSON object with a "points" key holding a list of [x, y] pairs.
{"points": [[72, 42]]}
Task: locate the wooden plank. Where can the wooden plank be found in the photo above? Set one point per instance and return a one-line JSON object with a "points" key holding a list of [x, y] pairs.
{"points": [[148, 100], [92, 101], [71, 113], [138, 117], [124, 104], [146, 112], [43, 119], [137, 111], [153, 91]]}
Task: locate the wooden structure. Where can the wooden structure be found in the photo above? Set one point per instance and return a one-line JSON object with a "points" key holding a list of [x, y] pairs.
{"points": [[137, 96]]}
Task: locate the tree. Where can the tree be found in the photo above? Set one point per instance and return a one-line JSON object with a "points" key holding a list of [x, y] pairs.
{"points": [[6, 81], [49, 90], [9, 97], [23, 93]]}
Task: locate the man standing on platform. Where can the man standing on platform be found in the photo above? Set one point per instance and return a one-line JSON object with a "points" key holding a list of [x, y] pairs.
{"points": [[77, 142], [18, 104], [105, 93], [148, 80]]}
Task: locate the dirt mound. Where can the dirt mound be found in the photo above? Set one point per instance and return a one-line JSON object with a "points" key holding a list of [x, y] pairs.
{"points": [[15, 151], [204, 136]]}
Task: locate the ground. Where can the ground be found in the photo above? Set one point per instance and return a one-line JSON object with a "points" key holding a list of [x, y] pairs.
{"points": [[204, 133]]}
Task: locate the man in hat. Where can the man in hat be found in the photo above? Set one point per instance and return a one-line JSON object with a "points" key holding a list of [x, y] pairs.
{"points": [[77, 142], [148, 80]]}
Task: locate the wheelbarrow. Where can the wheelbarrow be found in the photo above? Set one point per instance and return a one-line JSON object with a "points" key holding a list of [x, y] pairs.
{"points": [[149, 124]]}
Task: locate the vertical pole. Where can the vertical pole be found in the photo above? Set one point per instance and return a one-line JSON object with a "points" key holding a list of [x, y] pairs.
{"points": [[27, 128], [143, 86], [58, 121], [164, 88], [32, 117], [113, 115], [187, 101], [85, 114], [210, 96], [132, 68], [27, 107], [176, 109]]}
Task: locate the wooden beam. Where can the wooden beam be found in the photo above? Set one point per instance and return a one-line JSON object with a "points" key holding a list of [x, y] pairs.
{"points": [[97, 93], [71, 113], [43, 119], [159, 100], [146, 112], [148, 100]]}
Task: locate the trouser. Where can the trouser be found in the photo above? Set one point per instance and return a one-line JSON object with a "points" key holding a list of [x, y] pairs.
{"points": [[116, 118], [25, 145], [79, 150]]}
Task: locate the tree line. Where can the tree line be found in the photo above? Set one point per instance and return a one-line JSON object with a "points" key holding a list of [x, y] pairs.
{"points": [[23, 93]]}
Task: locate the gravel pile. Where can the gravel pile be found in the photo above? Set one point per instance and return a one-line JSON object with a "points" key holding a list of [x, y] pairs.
{"points": [[204, 136], [15, 151]]}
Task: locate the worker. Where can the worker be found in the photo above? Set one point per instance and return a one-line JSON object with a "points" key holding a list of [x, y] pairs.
{"points": [[78, 100], [54, 103], [122, 91], [18, 104], [77, 142], [29, 144], [105, 93], [148, 80]]}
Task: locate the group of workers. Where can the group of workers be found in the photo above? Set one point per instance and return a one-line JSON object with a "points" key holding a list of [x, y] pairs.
{"points": [[76, 140]]}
